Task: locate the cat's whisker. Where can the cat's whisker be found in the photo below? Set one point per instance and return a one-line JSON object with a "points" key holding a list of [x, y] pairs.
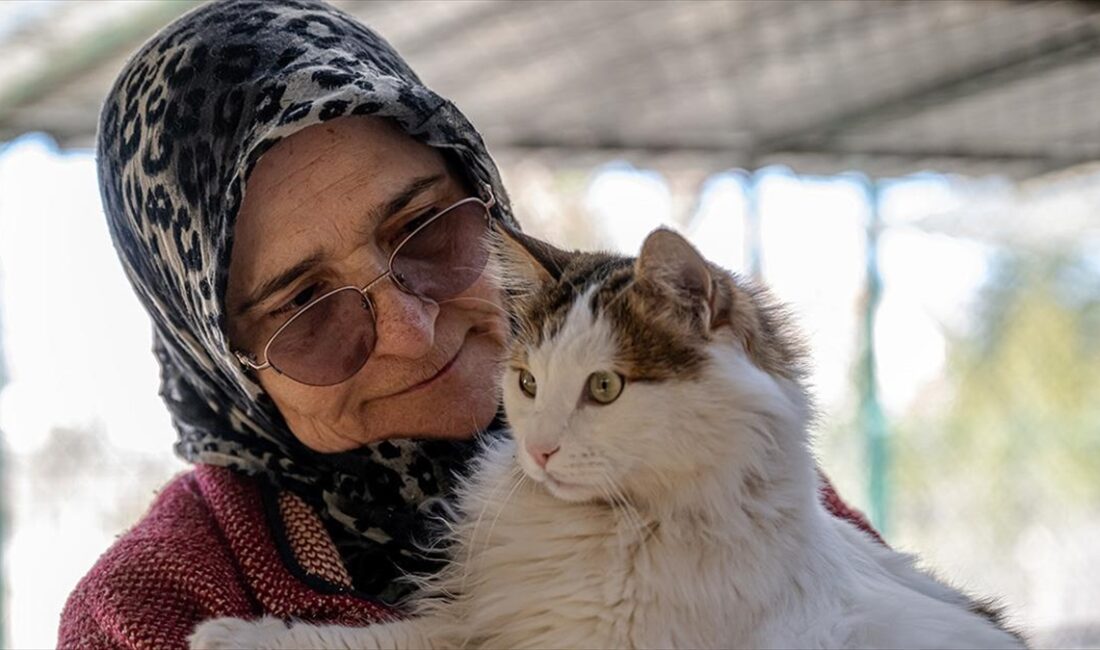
{"points": [[520, 478], [621, 504], [481, 515], [617, 512], [519, 481], [610, 499], [629, 506]]}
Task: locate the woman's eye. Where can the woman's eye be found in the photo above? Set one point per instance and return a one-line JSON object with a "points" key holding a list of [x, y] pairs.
{"points": [[410, 226], [604, 386], [299, 300], [527, 383]]}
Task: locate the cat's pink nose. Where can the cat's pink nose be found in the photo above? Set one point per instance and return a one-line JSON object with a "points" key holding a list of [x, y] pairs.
{"points": [[542, 453]]}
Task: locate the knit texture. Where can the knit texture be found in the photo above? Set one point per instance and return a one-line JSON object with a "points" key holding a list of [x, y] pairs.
{"points": [[215, 543], [838, 508], [206, 549]]}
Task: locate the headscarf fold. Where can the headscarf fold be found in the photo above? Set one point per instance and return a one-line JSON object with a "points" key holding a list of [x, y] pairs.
{"points": [[181, 130]]}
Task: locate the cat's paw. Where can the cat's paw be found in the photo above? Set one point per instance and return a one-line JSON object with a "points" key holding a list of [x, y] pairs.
{"points": [[236, 634]]}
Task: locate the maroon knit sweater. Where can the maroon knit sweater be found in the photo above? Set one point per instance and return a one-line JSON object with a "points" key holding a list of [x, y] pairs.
{"points": [[213, 544]]}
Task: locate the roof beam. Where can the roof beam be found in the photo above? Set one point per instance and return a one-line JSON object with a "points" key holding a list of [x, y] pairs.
{"points": [[1060, 50], [657, 147], [1015, 164]]}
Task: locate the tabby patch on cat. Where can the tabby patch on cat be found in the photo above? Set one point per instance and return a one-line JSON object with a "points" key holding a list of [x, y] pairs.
{"points": [[658, 490]]}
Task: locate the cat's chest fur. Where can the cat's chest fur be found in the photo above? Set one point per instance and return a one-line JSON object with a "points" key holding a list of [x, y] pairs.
{"points": [[533, 571], [542, 572]]}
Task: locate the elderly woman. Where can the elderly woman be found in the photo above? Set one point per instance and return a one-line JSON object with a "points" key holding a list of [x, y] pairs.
{"points": [[301, 218]]}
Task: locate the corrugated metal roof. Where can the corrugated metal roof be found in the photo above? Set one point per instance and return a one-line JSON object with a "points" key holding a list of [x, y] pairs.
{"points": [[886, 87]]}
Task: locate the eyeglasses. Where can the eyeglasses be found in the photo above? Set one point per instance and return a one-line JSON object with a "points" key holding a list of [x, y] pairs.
{"points": [[329, 340]]}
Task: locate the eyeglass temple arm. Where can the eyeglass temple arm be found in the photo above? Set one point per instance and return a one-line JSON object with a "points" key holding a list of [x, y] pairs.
{"points": [[487, 195], [247, 361]]}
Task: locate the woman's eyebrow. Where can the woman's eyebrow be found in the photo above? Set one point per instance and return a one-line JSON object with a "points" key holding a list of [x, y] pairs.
{"points": [[391, 207], [416, 187], [279, 281]]}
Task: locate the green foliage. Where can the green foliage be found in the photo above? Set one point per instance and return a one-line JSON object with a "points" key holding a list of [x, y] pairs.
{"points": [[1015, 432]]}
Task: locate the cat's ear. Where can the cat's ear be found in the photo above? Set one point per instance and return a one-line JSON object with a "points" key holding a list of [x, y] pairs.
{"points": [[668, 258], [523, 261]]}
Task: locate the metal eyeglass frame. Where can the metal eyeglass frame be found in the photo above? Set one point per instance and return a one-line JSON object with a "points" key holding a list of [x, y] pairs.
{"points": [[248, 361]]}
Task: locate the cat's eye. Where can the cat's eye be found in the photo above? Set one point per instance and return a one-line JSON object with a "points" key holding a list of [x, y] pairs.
{"points": [[604, 386], [527, 383]]}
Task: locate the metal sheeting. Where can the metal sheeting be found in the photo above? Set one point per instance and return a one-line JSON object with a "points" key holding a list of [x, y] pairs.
{"points": [[884, 87]]}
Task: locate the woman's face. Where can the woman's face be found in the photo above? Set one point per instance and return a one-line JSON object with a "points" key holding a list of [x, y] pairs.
{"points": [[317, 195]]}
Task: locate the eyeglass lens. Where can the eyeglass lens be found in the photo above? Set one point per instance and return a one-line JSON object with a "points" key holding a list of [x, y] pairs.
{"points": [[330, 340]]}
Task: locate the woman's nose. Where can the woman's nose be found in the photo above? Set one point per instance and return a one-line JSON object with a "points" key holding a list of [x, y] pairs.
{"points": [[405, 324]]}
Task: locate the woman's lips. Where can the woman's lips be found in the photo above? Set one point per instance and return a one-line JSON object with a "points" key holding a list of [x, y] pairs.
{"points": [[442, 372]]}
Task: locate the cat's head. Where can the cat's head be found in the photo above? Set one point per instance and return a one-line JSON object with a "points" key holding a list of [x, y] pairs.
{"points": [[636, 376]]}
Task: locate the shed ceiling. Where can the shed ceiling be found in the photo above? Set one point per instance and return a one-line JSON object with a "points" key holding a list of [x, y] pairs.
{"points": [[878, 86]]}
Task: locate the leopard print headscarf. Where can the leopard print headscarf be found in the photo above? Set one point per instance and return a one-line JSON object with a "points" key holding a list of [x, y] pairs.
{"points": [[185, 123]]}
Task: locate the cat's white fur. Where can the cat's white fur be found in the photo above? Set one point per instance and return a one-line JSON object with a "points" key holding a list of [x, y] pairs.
{"points": [[718, 540]]}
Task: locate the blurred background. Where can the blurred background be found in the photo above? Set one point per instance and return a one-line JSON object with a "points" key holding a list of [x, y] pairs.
{"points": [[918, 180]]}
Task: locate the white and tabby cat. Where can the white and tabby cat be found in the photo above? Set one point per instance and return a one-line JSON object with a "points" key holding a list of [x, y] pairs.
{"points": [[659, 492]]}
